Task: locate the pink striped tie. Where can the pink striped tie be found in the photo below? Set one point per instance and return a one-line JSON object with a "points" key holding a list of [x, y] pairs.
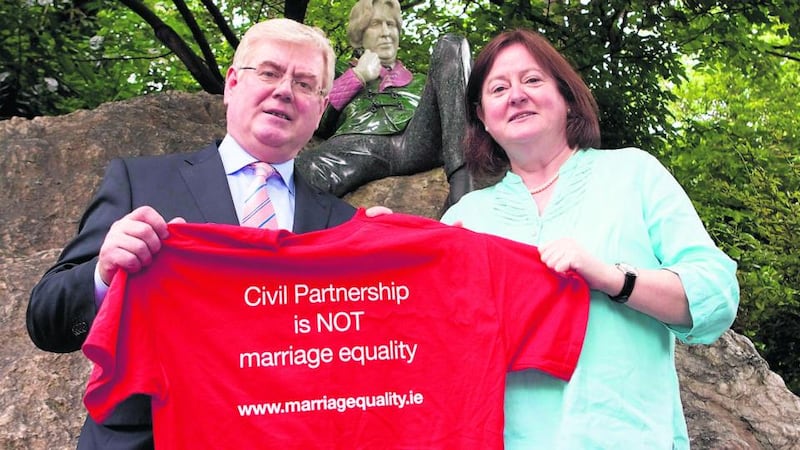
{"points": [[258, 210]]}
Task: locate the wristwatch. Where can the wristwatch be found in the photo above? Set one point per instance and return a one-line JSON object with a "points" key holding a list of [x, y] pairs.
{"points": [[630, 280]]}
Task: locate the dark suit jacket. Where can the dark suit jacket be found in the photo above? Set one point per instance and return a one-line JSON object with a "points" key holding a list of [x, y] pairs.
{"points": [[192, 186]]}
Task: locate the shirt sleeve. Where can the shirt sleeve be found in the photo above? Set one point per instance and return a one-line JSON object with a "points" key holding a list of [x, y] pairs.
{"points": [[100, 287], [344, 89], [544, 313], [682, 244]]}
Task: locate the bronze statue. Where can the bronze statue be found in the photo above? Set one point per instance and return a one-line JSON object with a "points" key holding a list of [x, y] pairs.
{"points": [[384, 120]]}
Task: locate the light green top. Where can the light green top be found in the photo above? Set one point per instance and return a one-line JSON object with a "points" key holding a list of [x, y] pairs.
{"points": [[622, 206]]}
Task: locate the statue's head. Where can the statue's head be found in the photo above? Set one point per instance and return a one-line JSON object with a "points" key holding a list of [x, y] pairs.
{"points": [[375, 25]]}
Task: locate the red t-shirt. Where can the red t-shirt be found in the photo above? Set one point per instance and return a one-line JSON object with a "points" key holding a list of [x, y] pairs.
{"points": [[391, 332]]}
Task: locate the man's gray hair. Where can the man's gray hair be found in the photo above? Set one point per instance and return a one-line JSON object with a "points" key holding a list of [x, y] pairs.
{"points": [[287, 30]]}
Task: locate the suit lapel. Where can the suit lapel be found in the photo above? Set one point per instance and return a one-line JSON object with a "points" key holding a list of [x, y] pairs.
{"points": [[312, 208], [205, 177]]}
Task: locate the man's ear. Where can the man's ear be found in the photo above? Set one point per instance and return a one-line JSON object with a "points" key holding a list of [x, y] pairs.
{"points": [[325, 102], [231, 80]]}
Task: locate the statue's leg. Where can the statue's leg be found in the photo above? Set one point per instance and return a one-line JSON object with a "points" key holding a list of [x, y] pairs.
{"points": [[444, 117], [343, 163]]}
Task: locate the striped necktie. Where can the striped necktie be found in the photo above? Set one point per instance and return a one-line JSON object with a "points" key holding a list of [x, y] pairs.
{"points": [[258, 209]]}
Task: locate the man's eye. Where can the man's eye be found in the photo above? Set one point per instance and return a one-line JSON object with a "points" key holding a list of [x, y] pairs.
{"points": [[270, 75], [303, 85]]}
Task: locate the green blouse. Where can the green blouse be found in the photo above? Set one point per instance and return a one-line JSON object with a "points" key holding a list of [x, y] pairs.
{"points": [[622, 206]]}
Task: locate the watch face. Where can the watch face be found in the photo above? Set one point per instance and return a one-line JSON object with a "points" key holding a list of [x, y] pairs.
{"points": [[627, 268]]}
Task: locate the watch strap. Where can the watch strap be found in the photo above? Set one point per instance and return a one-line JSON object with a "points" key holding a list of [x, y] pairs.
{"points": [[627, 287]]}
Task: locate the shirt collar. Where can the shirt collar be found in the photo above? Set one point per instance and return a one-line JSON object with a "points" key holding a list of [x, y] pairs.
{"points": [[235, 158]]}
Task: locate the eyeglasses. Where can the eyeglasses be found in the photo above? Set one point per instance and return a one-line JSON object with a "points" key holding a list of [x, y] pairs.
{"points": [[273, 77]]}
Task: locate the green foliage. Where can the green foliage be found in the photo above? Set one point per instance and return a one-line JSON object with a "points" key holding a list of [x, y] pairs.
{"points": [[62, 55], [38, 73], [58, 57], [735, 151], [331, 16]]}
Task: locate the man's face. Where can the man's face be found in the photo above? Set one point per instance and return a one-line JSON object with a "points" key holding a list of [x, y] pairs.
{"points": [[273, 100], [382, 35]]}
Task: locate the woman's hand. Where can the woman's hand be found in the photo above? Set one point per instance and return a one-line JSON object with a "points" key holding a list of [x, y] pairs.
{"points": [[658, 293], [566, 254]]}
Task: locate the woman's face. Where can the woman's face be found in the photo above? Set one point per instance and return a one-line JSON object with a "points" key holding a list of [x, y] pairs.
{"points": [[520, 103], [382, 35]]}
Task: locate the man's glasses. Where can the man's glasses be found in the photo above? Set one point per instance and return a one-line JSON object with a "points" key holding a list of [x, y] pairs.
{"points": [[273, 77]]}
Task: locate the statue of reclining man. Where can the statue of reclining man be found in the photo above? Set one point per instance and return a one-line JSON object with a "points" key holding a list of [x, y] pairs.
{"points": [[385, 121]]}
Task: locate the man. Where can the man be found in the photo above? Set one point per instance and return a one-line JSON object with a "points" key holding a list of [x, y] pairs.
{"points": [[275, 93], [384, 120]]}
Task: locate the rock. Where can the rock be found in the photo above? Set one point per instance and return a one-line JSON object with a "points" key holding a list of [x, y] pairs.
{"points": [[53, 164], [732, 400], [50, 167], [40, 393]]}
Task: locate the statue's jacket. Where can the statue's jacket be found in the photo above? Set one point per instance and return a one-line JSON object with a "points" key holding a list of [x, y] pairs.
{"points": [[384, 106]]}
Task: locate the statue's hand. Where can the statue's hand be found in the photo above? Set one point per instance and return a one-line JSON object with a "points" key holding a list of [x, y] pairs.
{"points": [[368, 67]]}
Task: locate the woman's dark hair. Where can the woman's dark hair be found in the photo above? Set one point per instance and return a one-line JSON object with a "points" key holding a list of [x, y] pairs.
{"points": [[484, 156]]}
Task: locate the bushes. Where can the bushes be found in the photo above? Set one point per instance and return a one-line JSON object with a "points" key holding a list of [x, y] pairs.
{"points": [[737, 159]]}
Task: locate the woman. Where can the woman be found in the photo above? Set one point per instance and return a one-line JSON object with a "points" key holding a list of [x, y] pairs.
{"points": [[616, 217], [384, 120]]}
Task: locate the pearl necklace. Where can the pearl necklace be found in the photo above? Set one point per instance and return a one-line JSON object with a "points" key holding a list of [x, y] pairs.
{"points": [[543, 187]]}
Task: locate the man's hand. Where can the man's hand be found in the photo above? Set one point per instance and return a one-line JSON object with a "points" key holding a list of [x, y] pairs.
{"points": [[368, 67], [132, 241]]}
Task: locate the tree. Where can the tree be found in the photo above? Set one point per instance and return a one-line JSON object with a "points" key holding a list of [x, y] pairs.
{"points": [[734, 149], [61, 55], [39, 58]]}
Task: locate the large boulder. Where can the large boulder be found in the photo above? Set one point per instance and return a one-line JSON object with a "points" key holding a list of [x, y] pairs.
{"points": [[50, 167]]}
